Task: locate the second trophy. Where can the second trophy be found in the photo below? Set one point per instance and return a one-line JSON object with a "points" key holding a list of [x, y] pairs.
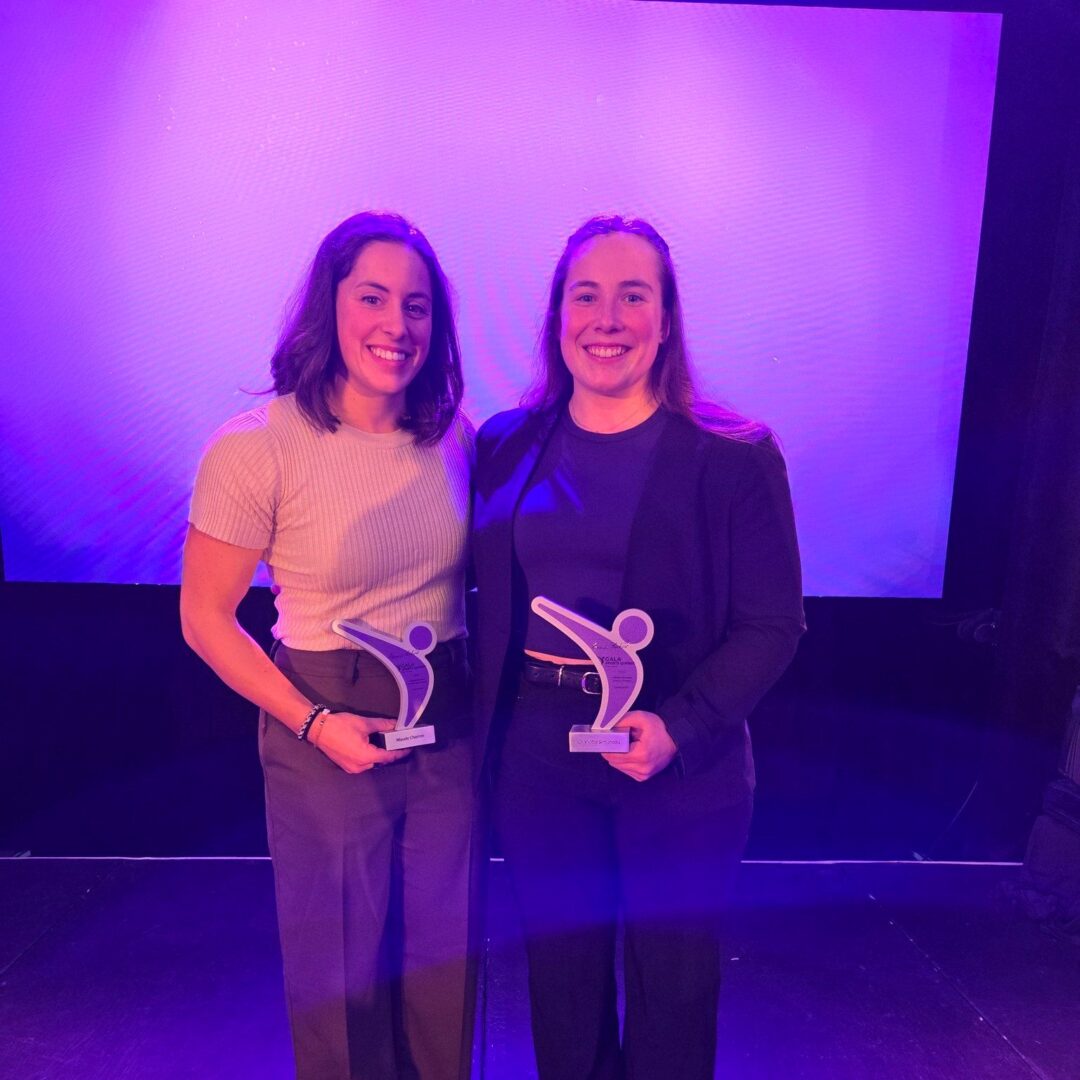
{"points": [[406, 660], [614, 655]]}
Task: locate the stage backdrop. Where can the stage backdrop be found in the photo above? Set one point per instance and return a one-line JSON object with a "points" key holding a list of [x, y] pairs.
{"points": [[818, 172]]}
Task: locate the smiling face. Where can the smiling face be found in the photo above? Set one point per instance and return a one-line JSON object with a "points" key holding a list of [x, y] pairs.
{"points": [[612, 317], [384, 321]]}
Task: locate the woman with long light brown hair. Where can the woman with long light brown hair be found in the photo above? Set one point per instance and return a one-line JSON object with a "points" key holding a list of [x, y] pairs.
{"points": [[616, 487]]}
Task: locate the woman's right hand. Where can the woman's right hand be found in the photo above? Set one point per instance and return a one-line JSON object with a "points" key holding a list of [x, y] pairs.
{"points": [[343, 738]]}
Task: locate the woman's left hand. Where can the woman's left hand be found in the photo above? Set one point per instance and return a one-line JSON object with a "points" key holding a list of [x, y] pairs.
{"points": [[651, 747]]}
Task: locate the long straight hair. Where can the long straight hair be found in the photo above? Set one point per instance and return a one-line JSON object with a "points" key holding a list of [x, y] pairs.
{"points": [[307, 359], [671, 377]]}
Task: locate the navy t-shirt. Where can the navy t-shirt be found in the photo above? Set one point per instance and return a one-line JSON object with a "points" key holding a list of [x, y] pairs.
{"points": [[572, 527]]}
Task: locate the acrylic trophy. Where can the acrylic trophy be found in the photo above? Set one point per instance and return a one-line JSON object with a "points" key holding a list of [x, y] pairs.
{"points": [[407, 661], [614, 654]]}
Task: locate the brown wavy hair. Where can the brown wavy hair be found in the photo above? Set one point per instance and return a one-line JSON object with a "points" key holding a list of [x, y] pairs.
{"points": [[671, 377], [307, 359]]}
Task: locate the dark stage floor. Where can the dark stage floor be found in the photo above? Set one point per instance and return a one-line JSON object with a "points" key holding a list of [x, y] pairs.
{"points": [[123, 969]]}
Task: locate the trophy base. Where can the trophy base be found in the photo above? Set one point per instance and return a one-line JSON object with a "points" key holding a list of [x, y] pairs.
{"points": [[586, 740], [403, 738]]}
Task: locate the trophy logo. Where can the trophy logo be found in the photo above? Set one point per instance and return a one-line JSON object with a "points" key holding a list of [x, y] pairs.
{"points": [[614, 654], [406, 660]]}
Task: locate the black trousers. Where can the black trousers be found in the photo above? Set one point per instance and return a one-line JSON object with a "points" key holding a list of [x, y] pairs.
{"points": [[372, 875], [584, 843]]}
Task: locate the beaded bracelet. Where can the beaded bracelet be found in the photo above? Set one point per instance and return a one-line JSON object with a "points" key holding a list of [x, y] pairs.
{"points": [[305, 727]]}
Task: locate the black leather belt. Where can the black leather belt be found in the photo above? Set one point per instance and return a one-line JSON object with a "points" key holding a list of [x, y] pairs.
{"points": [[563, 676]]}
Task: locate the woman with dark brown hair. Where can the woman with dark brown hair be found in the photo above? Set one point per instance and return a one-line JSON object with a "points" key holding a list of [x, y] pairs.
{"points": [[352, 485], [615, 487]]}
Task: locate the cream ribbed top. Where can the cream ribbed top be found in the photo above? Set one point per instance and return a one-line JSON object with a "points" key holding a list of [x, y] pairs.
{"points": [[350, 524]]}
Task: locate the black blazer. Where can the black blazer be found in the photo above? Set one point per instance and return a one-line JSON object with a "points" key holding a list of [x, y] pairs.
{"points": [[712, 558]]}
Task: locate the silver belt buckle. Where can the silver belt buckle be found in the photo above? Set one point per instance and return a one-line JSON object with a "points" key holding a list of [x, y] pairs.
{"points": [[591, 684]]}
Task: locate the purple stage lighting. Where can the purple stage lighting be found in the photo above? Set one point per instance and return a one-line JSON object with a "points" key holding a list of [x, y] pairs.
{"points": [[818, 172]]}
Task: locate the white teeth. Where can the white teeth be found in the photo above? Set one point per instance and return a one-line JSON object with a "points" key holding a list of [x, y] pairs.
{"points": [[606, 352], [388, 354]]}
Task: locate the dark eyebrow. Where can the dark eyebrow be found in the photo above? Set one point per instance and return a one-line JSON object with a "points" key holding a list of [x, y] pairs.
{"points": [[632, 283], [384, 289]]}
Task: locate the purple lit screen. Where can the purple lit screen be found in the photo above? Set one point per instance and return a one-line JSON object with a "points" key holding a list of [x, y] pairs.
{"points": [[171, 166]]}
